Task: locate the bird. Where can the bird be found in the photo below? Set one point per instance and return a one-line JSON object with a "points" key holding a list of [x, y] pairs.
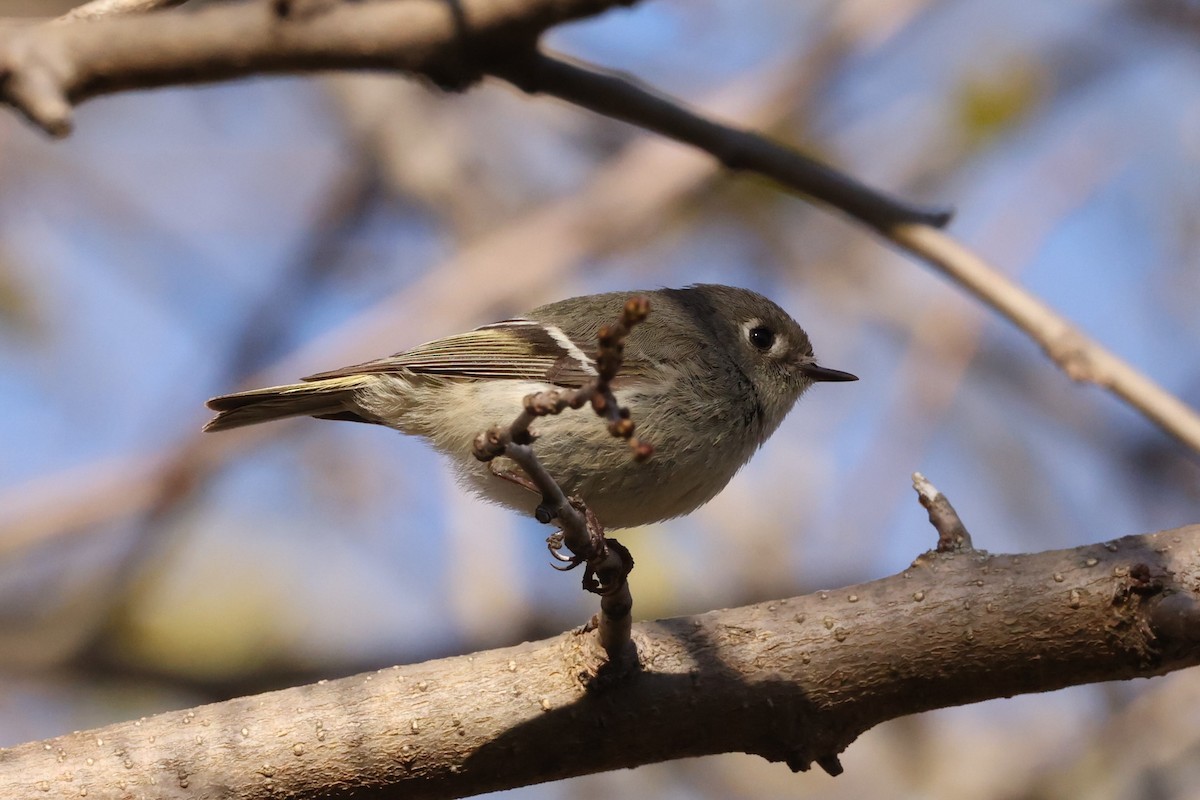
{"points": [[708, 376]]}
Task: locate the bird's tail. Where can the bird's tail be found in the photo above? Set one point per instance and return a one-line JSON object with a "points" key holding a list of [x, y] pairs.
{"points": [[328, 398]]}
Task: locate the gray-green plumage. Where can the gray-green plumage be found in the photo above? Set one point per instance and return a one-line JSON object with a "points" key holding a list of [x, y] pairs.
{"points": [[709, 375]]}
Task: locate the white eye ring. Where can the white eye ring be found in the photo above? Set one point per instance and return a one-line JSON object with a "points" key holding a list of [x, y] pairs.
{"points": [[772, 343]]}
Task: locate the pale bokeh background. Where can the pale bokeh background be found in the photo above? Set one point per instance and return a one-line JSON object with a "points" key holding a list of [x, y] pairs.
{"points": [[183, 243]]}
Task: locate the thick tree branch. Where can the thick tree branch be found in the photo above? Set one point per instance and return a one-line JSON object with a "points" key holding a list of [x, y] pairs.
{"points": [[793, 680]]}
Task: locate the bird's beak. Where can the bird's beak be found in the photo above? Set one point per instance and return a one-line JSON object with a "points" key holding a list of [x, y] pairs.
{"points": [[815, 372]]}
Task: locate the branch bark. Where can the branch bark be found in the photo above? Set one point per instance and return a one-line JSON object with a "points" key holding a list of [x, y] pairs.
{"points": [[49, 68], [793, 680]]}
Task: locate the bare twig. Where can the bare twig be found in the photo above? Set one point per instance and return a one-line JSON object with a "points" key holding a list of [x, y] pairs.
{"points": [[952, 534], [608, 563], [1080, 357], [598, 391]]}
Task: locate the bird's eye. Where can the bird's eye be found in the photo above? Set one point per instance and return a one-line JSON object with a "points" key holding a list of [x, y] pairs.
{"points": [[761, 337]]}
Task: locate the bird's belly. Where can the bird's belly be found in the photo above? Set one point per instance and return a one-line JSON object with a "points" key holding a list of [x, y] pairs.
{"points": [[586, 461]]}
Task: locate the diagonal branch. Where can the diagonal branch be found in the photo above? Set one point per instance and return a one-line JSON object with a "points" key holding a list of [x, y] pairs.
{"points": [[49, 69], [1082, 358]]}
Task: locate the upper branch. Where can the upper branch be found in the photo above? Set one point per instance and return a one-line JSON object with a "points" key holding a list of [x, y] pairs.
{"points": [[48, 68], [915, 230]]}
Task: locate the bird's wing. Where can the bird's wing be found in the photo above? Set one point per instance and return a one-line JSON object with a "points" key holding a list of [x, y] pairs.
{"points": [[517, 349]]}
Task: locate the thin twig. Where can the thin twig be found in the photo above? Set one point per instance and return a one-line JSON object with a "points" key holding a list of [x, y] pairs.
{"points": [[952, 534], [598, 391], [608, 563], [1080, 357]]}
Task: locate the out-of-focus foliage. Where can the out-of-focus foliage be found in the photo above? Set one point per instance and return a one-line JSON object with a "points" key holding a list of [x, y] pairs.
{"points": [[993, 105], [186, 242], [16, 302]]}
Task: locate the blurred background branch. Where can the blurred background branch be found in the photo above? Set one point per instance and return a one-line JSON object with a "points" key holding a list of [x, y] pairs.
{"points": [[1082, 358]]}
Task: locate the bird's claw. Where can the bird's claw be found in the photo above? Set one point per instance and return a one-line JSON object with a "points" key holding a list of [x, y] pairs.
{"points": [[554, 543]]}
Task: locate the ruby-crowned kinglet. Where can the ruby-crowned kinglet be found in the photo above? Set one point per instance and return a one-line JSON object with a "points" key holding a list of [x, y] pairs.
{"points": [[708, 376]]}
